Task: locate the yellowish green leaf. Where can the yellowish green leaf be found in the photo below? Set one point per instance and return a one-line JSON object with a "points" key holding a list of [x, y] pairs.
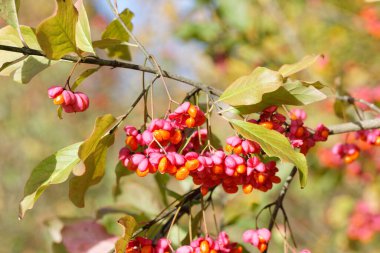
{"points": [[83, 77], [83, 32], [249, 90], [94, 171], [56, 35], [274, 144], [129, 224], [290, 69], [55, 169], [102, 124], [115, 31]]}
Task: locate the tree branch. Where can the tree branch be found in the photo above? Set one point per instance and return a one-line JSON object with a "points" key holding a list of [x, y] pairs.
{"points": [[335, 129], [117, 64], [280, 199], [354, 126]]}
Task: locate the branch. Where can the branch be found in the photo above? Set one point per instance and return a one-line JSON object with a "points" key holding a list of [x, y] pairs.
{"points": [[117, 64], [335, 129], [352, 100], [280, 199], [354, 126]]}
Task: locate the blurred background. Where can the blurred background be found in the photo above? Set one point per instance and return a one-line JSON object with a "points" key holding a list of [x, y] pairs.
{"points": [[213, 41]]}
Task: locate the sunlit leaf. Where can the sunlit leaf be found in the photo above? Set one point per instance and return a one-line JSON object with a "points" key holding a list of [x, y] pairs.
{"points": [[94, 171], [83, 77], [10, 61], [115, 31], [291, 93], [249, 90], [290, 69], [102, 124], [56, 34], [55, 169], [83, 32], [129, 224], [274, 144]]}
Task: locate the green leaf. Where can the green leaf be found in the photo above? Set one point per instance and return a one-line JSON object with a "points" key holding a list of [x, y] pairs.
{"points": [[31, 67], [173, 194], [115, 31], [8, 12], [102, 124], [13, 63], [59, 112], [129, 224], [83, 77], [56, 34], [55, 169], [249, 90], [290, 69], [291, 93], [274, 144], [94, 171], [10, 61], [83, 32], [120, 171]]}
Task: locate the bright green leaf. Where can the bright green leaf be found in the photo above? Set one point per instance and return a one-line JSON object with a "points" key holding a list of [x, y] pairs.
{"points": [[102, 124], [94, 171], [115, 31], [291, 93], [129, 224], [83, 33], [56, 34], [120, 171], [55, 169], [274, 144], [290, 69], [83, 77], [249, 90]]}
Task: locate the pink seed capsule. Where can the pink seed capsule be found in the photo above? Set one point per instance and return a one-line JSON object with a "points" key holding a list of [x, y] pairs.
{"points": [[55, 91]]}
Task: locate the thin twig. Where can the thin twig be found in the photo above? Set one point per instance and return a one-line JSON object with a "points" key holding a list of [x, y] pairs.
{"points": [[352, 100], [280, 199]]}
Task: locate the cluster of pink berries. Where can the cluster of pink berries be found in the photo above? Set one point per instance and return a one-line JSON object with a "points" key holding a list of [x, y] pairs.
{"points": [[163, 147], [206, 244], [260, 239], [364, 223], [69, 100], [145, 245], [349, 152]]}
